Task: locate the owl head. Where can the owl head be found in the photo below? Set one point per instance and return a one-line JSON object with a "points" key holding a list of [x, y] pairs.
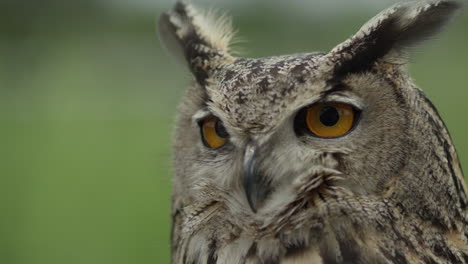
{"points": [[255, 133]]}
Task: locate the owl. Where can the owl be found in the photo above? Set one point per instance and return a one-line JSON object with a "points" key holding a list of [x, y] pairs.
{"points": [[316, 157]]}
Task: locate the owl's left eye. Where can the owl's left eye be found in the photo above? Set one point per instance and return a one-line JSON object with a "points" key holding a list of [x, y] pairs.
{"points": [[326, 120], [213, 132]]}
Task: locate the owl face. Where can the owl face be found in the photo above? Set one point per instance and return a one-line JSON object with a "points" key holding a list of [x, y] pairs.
{"points": [[255, 128], [261, 124]]}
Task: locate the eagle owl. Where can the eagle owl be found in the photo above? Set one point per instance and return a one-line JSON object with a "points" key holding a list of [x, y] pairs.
{"points": [[321, 157]]}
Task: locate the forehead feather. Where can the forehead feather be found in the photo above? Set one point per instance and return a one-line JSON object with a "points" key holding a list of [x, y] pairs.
{"points": [[255, 93]]}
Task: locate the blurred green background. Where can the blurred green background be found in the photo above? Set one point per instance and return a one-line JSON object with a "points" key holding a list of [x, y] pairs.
{"points": [[87, 104]]}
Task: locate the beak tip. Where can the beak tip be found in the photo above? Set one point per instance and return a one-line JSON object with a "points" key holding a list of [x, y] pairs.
{"points": [[251, 203], [250, 193], [255, 186]]}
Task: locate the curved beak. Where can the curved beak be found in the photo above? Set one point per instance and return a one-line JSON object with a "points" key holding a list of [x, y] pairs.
{"points": [[255, 187]]}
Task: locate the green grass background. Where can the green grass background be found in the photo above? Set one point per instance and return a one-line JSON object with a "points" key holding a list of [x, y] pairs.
{"points": [[87, 104]]}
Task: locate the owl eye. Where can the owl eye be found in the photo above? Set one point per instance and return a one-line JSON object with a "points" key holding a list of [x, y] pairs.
{"points": [[328, 120], [213, 132]]}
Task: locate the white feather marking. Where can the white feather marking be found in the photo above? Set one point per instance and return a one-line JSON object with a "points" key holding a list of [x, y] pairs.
{"points": [[235, 252], [215, 28]]}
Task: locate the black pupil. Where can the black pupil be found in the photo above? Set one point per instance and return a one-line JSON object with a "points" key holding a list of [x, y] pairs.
{"points": [[220, 129], [329, 116]]}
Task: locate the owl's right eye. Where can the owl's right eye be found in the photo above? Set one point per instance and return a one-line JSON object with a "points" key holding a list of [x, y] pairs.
{"points": [[213, 132]]}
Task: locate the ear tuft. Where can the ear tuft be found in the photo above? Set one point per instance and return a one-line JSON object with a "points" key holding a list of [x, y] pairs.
{"points": [[390, 33], [215, 28], [203, 40]]}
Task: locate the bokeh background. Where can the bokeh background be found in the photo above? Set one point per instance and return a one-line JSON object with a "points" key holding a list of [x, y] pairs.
{"points": [[87, 105]]}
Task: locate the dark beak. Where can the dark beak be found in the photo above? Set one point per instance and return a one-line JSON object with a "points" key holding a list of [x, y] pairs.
{"points": [[255, 187]]}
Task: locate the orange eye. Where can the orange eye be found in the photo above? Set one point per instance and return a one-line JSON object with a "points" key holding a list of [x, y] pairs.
{"points": [[213, 132], [330, 120]]}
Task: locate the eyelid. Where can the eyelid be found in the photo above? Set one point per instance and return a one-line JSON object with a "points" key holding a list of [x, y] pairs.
{"points": [[201, 115], [344, 98], [357, 105]]}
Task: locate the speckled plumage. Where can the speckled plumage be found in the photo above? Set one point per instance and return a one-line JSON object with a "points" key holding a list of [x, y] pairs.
{"points": [[389, 191]]}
